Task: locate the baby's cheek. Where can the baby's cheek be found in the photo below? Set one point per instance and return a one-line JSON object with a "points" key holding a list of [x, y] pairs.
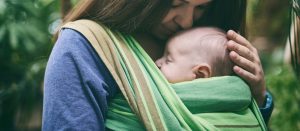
{"points": [[166, 73], [173, 77]]}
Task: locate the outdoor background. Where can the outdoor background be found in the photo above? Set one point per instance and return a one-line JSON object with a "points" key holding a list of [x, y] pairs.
{"points": [[27, 26]]}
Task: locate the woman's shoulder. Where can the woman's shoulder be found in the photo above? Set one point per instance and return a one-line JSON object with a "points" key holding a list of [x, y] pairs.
{"points": [[74, 55], [77, 85], [71, 38], [72, 43]]}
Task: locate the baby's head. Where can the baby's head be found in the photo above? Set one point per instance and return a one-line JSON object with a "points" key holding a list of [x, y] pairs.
{"points": [[195, 53]]}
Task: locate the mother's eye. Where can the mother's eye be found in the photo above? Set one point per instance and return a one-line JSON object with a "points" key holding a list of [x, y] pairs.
{"points": [[202, 7], [177, 4]]}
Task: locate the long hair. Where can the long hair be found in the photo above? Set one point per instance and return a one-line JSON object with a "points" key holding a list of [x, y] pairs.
{"points": [[122, 15], [226, 14], [141, 15], [294, 36]]}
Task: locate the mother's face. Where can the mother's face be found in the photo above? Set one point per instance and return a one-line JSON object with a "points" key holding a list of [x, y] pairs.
{"points": [[181, 16]]}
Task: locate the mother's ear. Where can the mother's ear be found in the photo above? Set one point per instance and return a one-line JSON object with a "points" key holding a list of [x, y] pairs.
{"points": [[202, 71]]}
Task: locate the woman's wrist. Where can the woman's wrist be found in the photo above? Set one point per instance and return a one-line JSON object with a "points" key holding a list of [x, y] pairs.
{"points": [[261, 98], [267, 108], [268, 101]]}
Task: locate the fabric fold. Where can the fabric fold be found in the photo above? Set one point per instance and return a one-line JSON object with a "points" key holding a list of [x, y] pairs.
{"points": [[149, 102]]}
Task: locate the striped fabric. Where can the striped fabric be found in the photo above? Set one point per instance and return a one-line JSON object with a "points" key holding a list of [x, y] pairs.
{"points": [[149, 102]]}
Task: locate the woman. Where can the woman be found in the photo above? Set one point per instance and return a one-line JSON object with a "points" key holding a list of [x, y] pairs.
{"points": [[78, 86]]}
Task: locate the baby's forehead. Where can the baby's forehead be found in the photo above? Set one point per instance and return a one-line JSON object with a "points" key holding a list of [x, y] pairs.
{"points": [[200, 32], [197, 34], [198, 39]]}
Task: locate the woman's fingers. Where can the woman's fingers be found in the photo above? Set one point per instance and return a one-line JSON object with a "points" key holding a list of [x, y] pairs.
{"points": [[242, 62], [255, 83], [248, 65], [243, 73], [239, 39], [241, 50]]}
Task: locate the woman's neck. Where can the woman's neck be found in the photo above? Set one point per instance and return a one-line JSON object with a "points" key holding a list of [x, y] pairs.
{"points": [[154, 47]]}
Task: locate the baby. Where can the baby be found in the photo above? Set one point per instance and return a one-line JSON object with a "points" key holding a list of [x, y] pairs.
{"points": [[195, 53]]}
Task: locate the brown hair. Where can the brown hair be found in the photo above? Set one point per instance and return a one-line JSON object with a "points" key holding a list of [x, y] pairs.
{"points": [[122, 15], [225, 14], [132, 15]]}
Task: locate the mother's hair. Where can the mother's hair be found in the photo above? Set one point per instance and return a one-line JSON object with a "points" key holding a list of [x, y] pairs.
{"points": [[141, 15], [123, 15]]}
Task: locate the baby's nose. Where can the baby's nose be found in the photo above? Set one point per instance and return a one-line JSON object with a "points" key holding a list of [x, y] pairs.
{"points": [[158, 63]]}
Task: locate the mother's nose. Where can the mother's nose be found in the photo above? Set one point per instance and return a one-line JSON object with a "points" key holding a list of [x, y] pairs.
{"points": [[185, 18]]}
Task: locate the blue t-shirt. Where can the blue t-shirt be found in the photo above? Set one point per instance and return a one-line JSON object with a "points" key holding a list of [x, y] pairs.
{"points": [[78, 86]]}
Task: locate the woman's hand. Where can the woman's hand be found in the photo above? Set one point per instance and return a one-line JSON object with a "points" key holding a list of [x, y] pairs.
{"points": [[248, 65]]}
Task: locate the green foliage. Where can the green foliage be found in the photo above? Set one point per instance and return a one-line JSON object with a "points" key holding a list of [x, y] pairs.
{"points": [[286, 92], [24, 49], [285, 88], [269, 19]]}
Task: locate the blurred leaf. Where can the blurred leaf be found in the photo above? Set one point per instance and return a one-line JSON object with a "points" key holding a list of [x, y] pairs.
{"points": [[13, 37], [24, 49], [2, 32], [285, 89]]}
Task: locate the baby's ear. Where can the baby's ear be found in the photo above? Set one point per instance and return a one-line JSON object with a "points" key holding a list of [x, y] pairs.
{"points": [[202, 71]]}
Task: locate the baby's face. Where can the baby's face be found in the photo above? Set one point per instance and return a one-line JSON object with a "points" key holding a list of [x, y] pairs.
{"points": [[176, 63], [192, 54]]}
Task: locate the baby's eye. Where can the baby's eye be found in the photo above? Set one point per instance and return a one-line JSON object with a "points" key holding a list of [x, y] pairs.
{"points": [[168, 61]]}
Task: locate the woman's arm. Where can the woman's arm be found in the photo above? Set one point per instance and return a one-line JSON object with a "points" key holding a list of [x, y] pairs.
{"points": [[77, 86]]}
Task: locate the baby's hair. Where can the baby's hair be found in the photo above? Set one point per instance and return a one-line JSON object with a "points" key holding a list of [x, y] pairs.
{"points": [[214, 40], [220, 62]]}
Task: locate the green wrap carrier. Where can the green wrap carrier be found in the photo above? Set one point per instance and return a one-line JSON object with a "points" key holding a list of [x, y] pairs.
{"points": [[148, 102]]}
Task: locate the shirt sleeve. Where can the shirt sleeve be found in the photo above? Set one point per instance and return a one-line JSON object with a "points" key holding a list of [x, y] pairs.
{"points": [[77, 86], [266, 111]]}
